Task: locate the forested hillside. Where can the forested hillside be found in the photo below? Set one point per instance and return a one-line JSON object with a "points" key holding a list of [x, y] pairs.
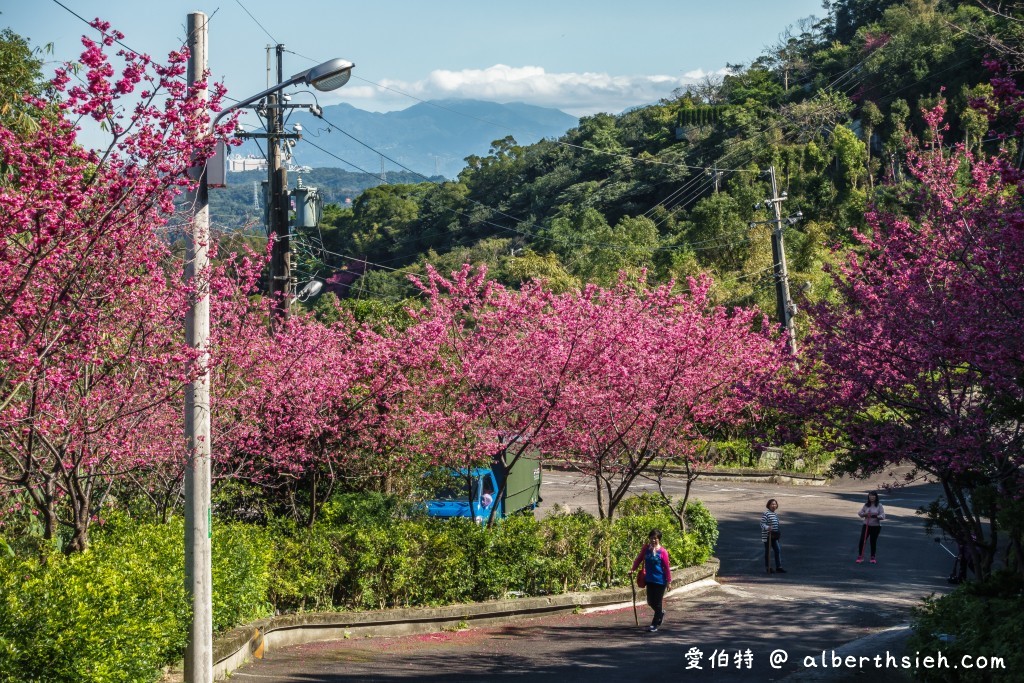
{"points": [[672, 188]]}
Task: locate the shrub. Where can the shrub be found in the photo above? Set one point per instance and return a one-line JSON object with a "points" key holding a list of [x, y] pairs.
{"points": [[735, 453], [703, 525], [117, 612], [382, 569], [644, 504], [978, 619], [308, 566], [513, 559], [448, 565], [361, 509], [574, 547], [630, 533], [242, 556], [640, 514]]}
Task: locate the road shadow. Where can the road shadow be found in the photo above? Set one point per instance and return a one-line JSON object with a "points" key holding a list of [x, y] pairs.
{"points": [[606, 653], [819, 549]]}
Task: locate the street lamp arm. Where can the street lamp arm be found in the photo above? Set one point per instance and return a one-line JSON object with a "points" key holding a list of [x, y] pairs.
{"points": [[330, 75], [255, 98]]}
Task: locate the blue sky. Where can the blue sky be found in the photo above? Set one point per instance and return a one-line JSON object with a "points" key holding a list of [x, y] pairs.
{"points": [[579, 56]]}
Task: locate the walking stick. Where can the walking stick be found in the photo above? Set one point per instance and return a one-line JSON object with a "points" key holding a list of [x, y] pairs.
{"points": [[863, 540], [632, 584]]}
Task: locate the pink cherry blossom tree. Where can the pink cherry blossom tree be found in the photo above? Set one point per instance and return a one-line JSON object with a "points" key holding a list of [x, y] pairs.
{"points": [[670, 374], [921, 361], [89, 303], [315, 405], [501, 367], [606, 380]]}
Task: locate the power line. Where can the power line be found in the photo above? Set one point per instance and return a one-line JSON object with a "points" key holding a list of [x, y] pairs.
{"points": [[109, 35], [693, 191], [272, 38], [720, 281], [562, 143], [847, 80]]}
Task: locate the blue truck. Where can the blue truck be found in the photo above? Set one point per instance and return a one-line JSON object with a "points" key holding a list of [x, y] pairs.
{"points": [[499, 490]]}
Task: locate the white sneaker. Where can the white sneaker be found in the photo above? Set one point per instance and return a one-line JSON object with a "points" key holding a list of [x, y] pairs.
{"points": [[652, 629]]}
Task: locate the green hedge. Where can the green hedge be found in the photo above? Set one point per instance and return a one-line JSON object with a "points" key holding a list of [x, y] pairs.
{"points": [[119, 612], [115, 613], [981, 620]]}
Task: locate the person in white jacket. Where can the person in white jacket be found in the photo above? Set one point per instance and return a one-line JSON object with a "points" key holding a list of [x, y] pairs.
{"points": [[872, 513]]}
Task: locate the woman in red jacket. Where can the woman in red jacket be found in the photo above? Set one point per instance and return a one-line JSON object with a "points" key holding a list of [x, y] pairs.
{"points": [[658, 575]]}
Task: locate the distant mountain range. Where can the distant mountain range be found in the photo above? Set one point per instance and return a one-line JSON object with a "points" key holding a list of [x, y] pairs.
{"points": [[430, 138]]}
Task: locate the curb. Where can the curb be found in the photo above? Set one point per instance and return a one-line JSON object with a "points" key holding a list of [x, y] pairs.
{"points": [[769, 477], [763, 476], [240, 645]]}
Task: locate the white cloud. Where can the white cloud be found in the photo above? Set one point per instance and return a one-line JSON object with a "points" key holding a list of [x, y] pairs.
{"points": [[576, 93]]}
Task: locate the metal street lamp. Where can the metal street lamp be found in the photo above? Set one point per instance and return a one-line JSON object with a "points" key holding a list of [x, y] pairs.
{"points": [[198, 512]]}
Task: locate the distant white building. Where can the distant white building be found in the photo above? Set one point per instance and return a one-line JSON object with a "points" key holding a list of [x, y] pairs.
{"points": [[237, 163], [252, 162]]}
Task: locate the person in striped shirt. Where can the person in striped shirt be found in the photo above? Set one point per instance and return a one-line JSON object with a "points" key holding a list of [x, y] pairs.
{"points": [[770, 535]]}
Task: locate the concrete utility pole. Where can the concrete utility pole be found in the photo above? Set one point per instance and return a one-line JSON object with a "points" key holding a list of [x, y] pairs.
{"points": [[783, 302], [280, 256], [198, 516]]}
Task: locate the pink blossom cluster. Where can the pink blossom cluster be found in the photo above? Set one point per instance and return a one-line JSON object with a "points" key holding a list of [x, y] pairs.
{"points": [[606, 379]]}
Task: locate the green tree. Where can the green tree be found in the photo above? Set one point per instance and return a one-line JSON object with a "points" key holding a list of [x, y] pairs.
{"points": [[20, 74], [973, 121], [530, 266], [718, 231], [595, 251], [851, 159]]}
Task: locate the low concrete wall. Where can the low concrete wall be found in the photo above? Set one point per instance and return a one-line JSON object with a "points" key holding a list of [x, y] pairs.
{"points": [[791, 478], [242, 644], [737, 474]]}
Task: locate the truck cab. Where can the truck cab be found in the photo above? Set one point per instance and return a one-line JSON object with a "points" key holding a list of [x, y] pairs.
{"points": [[474, 493], [476, 502]]}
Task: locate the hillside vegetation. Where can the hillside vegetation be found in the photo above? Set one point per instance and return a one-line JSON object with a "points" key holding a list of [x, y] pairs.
{"points": [[671, 189]]}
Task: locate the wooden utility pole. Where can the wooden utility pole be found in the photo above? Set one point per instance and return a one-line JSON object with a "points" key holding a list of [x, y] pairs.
{"points": [[783, 302], [280, 256], [198, 516]]}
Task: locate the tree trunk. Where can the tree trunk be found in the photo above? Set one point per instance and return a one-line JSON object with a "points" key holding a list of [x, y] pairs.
{"points": [[80, 527]]}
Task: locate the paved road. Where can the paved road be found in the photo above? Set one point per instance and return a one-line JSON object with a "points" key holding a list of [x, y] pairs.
{"points": [[823, 602]]}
